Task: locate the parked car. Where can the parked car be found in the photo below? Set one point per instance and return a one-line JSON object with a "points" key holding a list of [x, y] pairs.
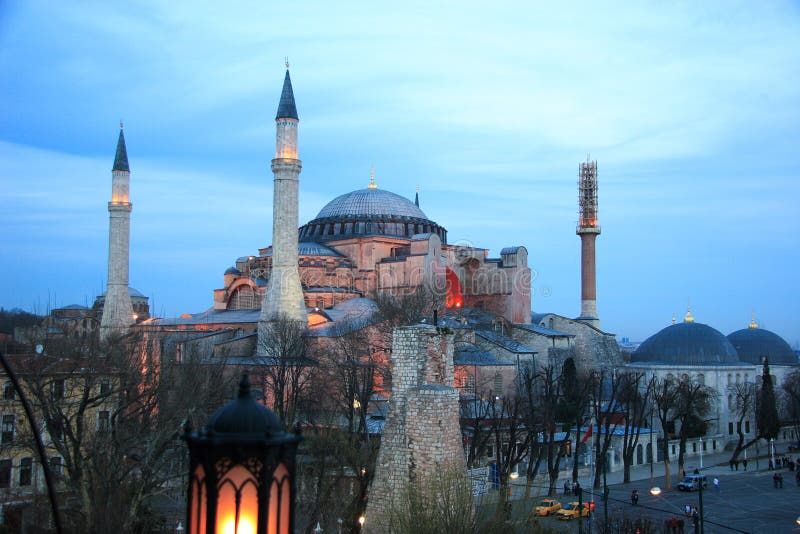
{"points": [[547, 507], [692, 482], [573, 509]]}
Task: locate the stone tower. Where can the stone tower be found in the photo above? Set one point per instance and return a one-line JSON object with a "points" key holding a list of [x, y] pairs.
{"points": [[588, 229], [117, 309], [422, 436], [284, 293]]}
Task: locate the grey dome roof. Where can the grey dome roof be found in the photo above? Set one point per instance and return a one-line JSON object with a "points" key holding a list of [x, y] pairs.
{"points": [[752, 344], [369, 212], [371, 202], [687, 343]]}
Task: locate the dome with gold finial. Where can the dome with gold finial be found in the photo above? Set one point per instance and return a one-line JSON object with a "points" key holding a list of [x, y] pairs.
{"points": [[687, 343], [753, 344], [369, 211]]}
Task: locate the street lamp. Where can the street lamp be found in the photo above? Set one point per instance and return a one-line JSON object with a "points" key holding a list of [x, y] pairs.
{"points": [[701, 452], [772, 451], [241, 471]]}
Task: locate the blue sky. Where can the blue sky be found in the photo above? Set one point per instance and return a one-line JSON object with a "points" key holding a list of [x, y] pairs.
{"points": [[692, 111]]}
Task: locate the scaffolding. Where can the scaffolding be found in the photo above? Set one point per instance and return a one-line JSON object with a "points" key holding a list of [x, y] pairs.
{"points": [[587, 195]]}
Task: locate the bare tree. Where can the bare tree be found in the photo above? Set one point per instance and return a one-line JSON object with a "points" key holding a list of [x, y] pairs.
{"points": [[288, 371], [605, 411], [511, 439], [634, 405], [791, 398], [113, 416], [694, 402], [743, 403], [665, 398]]}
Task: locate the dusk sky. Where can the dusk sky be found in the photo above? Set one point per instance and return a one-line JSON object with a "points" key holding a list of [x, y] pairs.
{"points": [[691, 109]]}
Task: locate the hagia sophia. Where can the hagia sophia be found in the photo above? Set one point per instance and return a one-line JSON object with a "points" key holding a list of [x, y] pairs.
{"points": [[372, 241]]}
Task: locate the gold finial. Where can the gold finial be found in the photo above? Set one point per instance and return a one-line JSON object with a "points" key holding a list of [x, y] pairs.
{"points": [[673, 318], [372, 178], [688, 318], [286, 62], [753, 324]]}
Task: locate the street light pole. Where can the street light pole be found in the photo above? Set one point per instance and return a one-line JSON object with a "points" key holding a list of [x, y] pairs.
{"points": [[701, 453], [652, 451], [772, 451]]}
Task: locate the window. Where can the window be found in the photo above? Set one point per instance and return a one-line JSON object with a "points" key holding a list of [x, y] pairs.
{"points": [[747, 427], [8, 391], [25, 471], [7, 429], [57, 389], [730, 428], [5, 473], [105, 387], [56, 431], [103, 421], [56, 466], [498, 383]]}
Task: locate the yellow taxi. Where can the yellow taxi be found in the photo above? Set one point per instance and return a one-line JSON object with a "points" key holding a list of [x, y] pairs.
{"points": [[573, 509], [547, 507]]}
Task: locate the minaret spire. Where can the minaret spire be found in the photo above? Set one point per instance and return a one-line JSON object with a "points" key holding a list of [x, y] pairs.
{"points": [[117, 308], [588, 230], [284, 298], [416, 196]]}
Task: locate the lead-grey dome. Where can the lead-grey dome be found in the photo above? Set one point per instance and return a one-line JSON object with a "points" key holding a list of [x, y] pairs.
{"points": [[367, 212], [753, 344], [370, 202], [687, 343]]}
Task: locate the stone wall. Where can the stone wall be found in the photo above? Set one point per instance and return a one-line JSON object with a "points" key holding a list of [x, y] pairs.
{"points": [[422, 435]]}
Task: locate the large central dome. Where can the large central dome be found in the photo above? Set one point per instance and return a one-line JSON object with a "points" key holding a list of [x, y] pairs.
{"points": [[369, 212], [370, 202]]}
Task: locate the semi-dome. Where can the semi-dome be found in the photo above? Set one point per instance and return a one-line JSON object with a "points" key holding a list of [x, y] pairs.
{"points": [[687, 343], [753, 344], [369, 212]]}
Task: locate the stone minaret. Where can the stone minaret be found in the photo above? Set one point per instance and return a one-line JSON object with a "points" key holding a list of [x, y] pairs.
{"points": [[117, 309], [588, 229], [284, 293]]}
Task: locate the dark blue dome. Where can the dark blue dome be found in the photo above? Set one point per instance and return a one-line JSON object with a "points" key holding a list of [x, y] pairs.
{"points": [[244, 417], [753, 344], [687, 343]]}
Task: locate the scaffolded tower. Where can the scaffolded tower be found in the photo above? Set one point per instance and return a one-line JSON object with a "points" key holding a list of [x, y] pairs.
{"points": [[588, 230]]}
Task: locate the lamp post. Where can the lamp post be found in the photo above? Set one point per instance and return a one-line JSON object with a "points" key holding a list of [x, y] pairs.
{"points": [[772, 451], [701, 452], [652, 450], [241, 471]]}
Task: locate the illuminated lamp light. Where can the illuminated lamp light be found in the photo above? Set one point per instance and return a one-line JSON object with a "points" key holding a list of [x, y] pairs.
{"points": [[362, 520], [241, 471], [135, 316], [186, 316], [655, 491], [514, 475]]}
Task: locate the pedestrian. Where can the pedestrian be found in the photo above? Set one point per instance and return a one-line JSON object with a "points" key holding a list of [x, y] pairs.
{"points": [[566, 487], [635, 497], [780, 480], [574, 488], [744, 463], [736, 464], [687, 510], [716, 483], [577, 489], [775, 480]]}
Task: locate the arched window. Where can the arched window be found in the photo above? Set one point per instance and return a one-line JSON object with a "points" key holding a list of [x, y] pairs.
{"points": [[244, 298], [639, 454]]}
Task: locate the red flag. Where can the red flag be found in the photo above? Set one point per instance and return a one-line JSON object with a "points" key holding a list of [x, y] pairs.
{"points": [[587, 435]]}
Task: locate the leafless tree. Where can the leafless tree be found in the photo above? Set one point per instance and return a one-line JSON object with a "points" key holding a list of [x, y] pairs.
{"points": [[634, 406], [605, 411], [791, 398], [288, 370], [694, 402], [742, 397], [665, 399]]}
